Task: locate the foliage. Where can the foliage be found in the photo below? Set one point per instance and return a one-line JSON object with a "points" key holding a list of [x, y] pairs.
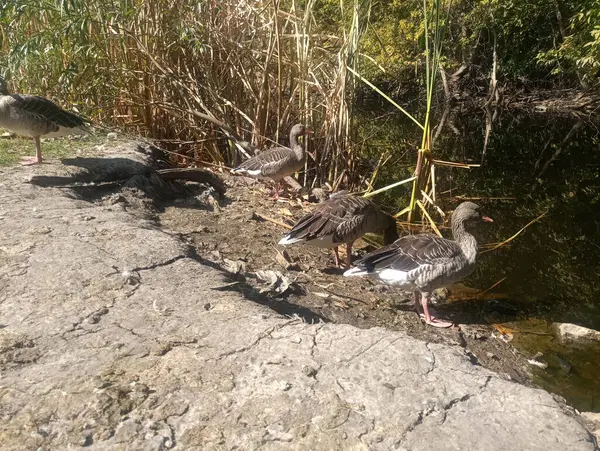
{"points": [[581, 47]]}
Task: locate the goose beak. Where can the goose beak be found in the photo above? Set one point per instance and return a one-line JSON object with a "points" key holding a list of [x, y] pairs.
{"points": [[308, 131], [487, 219]]}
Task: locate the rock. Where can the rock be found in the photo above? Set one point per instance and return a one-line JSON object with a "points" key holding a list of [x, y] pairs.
{"points": [[309, 371], [592, 421], [235, 375], [273, 281], [318, 195], [440, 295], [112, 136], [568, 333]]}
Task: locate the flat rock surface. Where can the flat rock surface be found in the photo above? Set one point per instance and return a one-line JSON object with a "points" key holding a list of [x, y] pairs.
{"points": [[569, 333], [115, 335]]}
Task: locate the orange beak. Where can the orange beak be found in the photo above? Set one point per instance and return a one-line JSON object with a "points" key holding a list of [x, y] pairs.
{"points": [[308, 131], [487, 219]]}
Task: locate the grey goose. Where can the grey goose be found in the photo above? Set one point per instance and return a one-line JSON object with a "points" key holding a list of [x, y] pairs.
{"points": [[343, 218], [36, 116], [425, 262], [277, 162]]}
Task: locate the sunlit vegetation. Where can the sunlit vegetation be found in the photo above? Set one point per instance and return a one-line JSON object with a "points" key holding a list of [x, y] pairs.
{"points": [[200, 76], [12, 149]]}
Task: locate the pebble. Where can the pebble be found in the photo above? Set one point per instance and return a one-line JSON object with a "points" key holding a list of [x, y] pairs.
{"points": [[86, 439], [309, 371], [491, 355]]}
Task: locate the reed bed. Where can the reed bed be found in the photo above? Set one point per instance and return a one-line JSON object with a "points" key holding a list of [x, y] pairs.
{"points": [[209, 79], [213, 80]]}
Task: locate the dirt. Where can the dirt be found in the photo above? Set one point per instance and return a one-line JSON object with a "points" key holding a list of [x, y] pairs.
{"points": [[241, 233]]}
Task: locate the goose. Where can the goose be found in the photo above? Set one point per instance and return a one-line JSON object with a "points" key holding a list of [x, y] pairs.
{"points": [[277, 162], [36, 116], [343, 218], [425, 262]]}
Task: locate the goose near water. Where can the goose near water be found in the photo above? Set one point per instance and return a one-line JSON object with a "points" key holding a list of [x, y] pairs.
{"points": [[425, 262], [342, 219], [278, 162], [36, 116]]}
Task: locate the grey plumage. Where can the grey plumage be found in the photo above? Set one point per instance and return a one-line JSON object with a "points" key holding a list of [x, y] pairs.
{"points": [[426, 262], [342, 219], [426, 255], [277, 162], [35, 116]]}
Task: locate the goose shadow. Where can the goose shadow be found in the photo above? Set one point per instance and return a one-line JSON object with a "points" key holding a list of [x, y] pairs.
{"points": [[100, 177], [465, 311]]}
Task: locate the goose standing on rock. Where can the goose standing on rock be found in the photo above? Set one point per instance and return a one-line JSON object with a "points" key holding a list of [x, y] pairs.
{"points": [[342, 219], [277, 162], [36, 116], [425, 262]]}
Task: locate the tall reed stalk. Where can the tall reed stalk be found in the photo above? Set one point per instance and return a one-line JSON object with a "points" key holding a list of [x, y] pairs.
{"points": [[423, 191]]}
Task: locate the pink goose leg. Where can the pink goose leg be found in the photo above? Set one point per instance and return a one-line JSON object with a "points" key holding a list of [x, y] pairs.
{"points": [[28, 161], [417, 299], [432, 321], [349, 254], [277, 186], [337, 257]]}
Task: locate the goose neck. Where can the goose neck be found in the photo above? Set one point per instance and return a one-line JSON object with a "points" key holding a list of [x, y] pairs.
{"points": [[296, 146], [465, 240]]}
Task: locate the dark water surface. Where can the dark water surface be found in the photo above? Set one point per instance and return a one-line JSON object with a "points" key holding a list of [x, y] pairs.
{"points": [[551, 271]]}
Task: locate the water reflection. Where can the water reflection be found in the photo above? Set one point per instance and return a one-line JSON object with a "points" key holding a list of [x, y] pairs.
{"points": [[533, 163]]}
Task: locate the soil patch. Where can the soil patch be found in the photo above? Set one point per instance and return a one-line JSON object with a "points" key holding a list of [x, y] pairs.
{"points": [[236, 236]]}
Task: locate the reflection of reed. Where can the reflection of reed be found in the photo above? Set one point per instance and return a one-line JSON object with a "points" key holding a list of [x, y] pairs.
{"points": [[559, 149]]}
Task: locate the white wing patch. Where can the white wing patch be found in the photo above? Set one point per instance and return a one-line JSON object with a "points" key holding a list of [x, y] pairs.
{"points": [[254, 173], [325, 242], [287, 240], [355, 272], [395, 277]]}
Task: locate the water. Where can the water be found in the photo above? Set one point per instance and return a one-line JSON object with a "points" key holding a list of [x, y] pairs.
{"points": [[551, 271]]}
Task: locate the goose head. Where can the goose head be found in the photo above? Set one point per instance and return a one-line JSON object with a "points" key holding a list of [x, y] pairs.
{"points": [[299, 130], [468, 214]]}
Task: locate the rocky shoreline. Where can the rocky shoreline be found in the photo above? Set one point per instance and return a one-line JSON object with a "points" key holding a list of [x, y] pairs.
{"points": [[119, 332]]}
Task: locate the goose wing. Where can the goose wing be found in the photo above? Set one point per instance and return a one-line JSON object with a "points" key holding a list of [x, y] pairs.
{"points": [[266, 162], [409, 253], [340, 217], [46, 109]]}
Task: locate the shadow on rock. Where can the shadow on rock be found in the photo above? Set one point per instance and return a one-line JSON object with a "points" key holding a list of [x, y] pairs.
{"points": [[237, 283], [136, 183]]}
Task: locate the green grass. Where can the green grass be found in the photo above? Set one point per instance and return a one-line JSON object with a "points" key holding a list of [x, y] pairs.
{"points": [[12, 149]]}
